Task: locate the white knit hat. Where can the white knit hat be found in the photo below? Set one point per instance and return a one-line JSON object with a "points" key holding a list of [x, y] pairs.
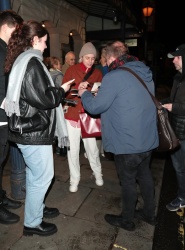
{"points": [[88, 48]]}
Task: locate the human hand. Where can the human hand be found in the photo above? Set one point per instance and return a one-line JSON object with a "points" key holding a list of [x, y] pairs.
{"points": [[81, 91], [83, 85], [66, 86], [168, 106]]}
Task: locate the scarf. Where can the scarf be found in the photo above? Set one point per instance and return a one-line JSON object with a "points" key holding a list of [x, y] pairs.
{"points": [[14, 89], [121, 61]]}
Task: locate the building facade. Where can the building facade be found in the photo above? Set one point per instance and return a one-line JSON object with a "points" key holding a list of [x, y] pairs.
{"points": [[59, 18]]}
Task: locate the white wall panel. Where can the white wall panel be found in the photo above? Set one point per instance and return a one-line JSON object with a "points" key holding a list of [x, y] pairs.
{"points": [[61, 18]]}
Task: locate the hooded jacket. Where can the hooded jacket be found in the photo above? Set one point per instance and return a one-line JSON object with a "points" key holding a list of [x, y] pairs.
{"points": [[128, 114]]}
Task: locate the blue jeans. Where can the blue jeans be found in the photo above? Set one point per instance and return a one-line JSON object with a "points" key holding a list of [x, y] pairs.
{"points": [[39, 174], [133, 168], [178, 160]]}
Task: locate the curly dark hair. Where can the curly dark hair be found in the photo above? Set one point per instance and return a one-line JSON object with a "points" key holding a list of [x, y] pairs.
{"points": [[22, 39]]}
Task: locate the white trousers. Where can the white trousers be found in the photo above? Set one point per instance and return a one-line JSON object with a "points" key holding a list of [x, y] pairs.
{"points": [[100, 146], [73, 154]]}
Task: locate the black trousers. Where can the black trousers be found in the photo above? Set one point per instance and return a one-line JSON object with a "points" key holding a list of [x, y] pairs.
{"points": [[4, 146], [133, 169]]}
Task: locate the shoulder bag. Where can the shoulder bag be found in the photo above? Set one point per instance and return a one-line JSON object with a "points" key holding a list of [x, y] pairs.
{"points": [[90, 125], [167, 138]]}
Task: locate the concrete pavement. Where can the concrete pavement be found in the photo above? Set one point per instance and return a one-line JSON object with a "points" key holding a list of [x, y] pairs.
{"points": [[81, 224]]}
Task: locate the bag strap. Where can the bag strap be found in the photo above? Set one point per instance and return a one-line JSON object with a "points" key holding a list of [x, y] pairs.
{"points": [[156, 102], [89, 73], [85, 79]]}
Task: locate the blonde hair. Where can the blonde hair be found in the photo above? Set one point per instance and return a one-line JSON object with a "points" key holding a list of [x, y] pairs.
{"points": [[53, 62]]}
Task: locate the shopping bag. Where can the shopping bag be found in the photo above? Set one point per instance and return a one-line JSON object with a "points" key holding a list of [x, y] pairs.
{"points": [[90, 125]]}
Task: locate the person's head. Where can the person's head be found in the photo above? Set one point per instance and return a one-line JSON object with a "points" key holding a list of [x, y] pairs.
{"points": [[9, 20], [123, 47], [29, 35], [112, 53], [178, 58], [88, 54], [46, 61], [103, 58], [70, 58], [54, 63]]}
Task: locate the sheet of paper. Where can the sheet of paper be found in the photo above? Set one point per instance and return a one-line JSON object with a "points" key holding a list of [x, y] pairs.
{"points": [[95, 86]]}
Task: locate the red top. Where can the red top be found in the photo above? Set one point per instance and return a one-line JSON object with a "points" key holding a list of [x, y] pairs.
{"points": [[77, 72]]}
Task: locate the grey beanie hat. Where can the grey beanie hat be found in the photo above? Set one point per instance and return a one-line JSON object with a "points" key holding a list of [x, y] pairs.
{"points": [[88, 48]]}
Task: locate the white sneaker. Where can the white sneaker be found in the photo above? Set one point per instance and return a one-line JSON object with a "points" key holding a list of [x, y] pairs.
{"points": [[99, 180], [73, 187]]}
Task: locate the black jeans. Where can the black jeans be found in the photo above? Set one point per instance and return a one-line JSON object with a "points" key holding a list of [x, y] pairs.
{"points": [[133, 168], [3, 153], [178, 160]]}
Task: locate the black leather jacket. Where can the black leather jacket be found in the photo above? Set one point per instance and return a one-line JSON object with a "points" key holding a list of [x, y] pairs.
{"points": [[3, 79], [38, 99], [177, 97]]}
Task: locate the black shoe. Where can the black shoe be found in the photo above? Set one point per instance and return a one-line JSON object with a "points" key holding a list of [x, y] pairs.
{"points": [[176, 204], [6, 217], [63, 152], [150, 220], [117, 221], [50, 212], [8, 203], [44, 229], [57, 151]]}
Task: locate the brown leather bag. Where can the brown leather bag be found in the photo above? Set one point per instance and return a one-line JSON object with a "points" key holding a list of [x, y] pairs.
{"points": [[167, 138]]}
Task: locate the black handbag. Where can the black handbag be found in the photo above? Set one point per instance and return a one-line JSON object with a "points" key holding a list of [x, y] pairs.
{"points": [[167, 138]]}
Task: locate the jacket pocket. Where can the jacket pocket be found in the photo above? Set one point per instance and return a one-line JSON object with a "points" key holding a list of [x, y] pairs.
{"points": [[38, 122]]}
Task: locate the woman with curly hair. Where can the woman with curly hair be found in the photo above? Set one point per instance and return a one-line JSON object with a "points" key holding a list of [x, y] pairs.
{"points": [[35, 117]]}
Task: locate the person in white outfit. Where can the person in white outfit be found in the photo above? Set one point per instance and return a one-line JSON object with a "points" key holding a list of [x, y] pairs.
{"points": [[78, 72]]}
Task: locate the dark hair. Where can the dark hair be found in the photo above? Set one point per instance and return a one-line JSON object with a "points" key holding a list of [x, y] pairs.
{"points": [[10, 18], [22, 39], [46, 61], [111, 50]]}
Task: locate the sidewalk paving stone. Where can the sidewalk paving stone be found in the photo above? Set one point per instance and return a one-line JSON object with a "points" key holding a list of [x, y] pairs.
{"points": [[81, 224]]}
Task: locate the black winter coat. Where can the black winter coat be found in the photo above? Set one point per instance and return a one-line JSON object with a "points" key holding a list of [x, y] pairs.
{"points": [[38, 101], [177, 97]]}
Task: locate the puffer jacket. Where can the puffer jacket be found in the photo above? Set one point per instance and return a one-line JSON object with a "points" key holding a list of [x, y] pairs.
{"points": [[38, 100]]}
